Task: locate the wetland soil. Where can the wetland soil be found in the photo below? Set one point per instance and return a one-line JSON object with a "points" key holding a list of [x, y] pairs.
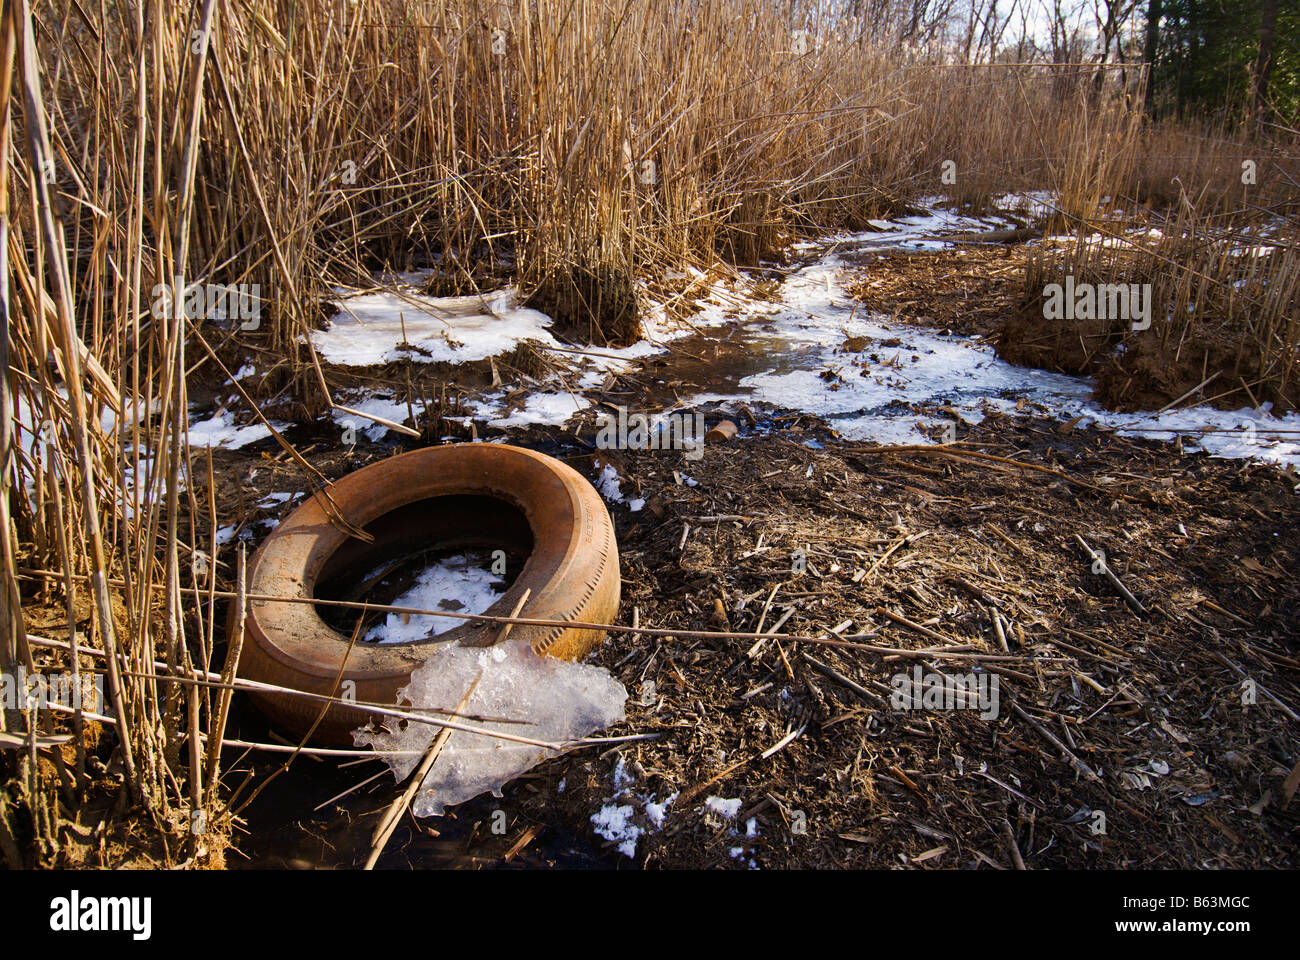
{"points": [[919, 551]]}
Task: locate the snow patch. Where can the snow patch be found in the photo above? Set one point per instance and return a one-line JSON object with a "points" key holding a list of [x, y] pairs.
{"points": [[457, 584], [727, 809], [219, 430], [368, 329], [614, 822]]}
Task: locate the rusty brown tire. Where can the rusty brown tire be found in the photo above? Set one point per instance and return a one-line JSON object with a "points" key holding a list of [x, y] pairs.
{"points": [[473, 494]]}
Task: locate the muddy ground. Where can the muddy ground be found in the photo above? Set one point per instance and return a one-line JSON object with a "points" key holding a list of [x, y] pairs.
{"points": [[1120, 739]]}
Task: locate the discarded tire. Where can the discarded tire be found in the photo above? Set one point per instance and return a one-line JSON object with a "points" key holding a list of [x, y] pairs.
{"points": [[464, 495]]}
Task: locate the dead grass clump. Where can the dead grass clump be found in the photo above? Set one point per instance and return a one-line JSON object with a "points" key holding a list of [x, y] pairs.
{"points": [[1221, 324], [529, 360], [1031, 338], [453, 278], [752, 232], [590, 305]]}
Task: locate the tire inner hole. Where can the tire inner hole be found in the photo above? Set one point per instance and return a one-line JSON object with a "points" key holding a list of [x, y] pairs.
{"points": [[456, 553]]}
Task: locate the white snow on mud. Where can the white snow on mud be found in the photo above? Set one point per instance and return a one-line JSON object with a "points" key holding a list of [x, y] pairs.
{"points": [[889, 392], [377, 405], [541, 408], [874, 399], [220, 430], [371, 328]]}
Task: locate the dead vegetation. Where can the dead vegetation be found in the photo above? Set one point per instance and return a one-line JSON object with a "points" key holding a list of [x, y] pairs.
{"points": [[1222, 295], [964, 562], [295, 148], [969, 290], [1223, 305]]}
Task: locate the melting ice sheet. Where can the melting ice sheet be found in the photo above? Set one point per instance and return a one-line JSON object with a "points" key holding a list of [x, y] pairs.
{"points": [[558, 701]]}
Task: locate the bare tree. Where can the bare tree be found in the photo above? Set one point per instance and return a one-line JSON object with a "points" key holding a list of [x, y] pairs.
{"points": [[1264, 62], [1150, 47], [1111, 17]]}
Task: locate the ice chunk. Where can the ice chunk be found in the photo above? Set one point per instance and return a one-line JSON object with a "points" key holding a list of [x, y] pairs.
{"points": [[558, 700], [608, 483]]}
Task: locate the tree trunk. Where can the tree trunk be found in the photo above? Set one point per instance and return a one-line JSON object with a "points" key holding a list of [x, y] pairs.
{"points": [[1149, 50], [1264, 65]]}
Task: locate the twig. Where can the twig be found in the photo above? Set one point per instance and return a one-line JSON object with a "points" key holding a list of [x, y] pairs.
{"points": [[997, 629], [1258, 686], [945, 451], [1203, 383], [1122, 590], [1086, 771], [400, 805], [1009, 836], [838, 677], [231, 668]]}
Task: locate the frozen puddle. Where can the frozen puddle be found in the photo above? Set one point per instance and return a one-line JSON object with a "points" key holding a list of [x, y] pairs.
{"points": [[463, 583], [554, 700], [873, 393]]}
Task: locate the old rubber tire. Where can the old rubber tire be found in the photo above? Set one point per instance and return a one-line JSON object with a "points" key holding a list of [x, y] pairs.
{"points": [[572, 571]]}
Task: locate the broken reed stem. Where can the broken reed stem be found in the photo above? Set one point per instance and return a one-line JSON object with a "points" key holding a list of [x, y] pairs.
{"points": [[518, 608], [176, 650], [618, 628], [1097, 560], [1013, 848], [555, 746], [403, 803], [11, 627], [1084, 770], [229, 671], [358, 752], [945, 451]]}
